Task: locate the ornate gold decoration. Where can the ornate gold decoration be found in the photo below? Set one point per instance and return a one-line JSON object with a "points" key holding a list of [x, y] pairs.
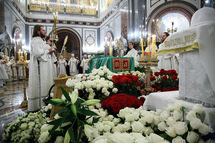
{"points": [[89, 37], [25, 101]]}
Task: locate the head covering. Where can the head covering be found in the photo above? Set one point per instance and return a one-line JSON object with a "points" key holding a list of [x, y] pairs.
{"points": [[12, 57], [73, 54], [206, 14]]}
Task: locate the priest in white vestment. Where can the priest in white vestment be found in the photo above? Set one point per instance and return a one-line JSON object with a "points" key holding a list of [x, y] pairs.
{"points": [[62, 65], [38, 69], [84, 63], [73, 65], [132, 53], [3, 73], [14, 71]]}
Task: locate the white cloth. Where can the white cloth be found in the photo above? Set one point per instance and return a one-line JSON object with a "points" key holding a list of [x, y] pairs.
{"points": [[14, 71], [73, 66], [9, 70], [84, 64], [159, 100], [196, 67], [3, 72], [62, 66], [133, 53], [38, 54], [165, 61]]}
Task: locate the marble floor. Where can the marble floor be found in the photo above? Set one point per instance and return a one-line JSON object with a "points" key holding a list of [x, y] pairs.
{"points": [[11, 96]]}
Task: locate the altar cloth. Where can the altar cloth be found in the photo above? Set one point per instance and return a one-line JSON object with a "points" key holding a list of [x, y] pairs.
{"points": [[159, 100]]}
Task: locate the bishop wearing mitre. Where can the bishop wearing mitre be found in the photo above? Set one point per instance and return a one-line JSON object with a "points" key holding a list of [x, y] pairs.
{"points": [[73, 65], [84, 63]]}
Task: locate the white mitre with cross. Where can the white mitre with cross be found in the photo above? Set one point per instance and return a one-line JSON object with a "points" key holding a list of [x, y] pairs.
{"points": [[196, 48]]}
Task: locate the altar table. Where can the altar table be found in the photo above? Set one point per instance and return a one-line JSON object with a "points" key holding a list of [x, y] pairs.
{"points": [[114, 64]]}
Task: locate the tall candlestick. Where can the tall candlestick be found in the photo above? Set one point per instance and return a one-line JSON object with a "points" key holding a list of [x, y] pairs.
{"points": [[141, 43], [110, 48], [153, 46]]}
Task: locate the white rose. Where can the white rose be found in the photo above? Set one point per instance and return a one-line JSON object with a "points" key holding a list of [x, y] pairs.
{"points": [[195, 123], [164, 115], [142, 120], [158, 111], [129, 118], [177, 115], [135, 115], [70, 83], [118, 128], [46, 127], [98, 87], [116, 121], [162, 126], [98, 105], [127, 126], [171, 131], [137, 126], [192, 137], [114, 90], [100, 139], [157, 120], [148, 130], [111, 84], [59, 139], [23, 126], [154, 138], [178, 139], [110, 117], [190, 115], [109, 77], [170, 121], [180, 128], [149, 118], [104, 90], [204, 129], [31, 124], [44, 137], [107, 128], [198, 108]]}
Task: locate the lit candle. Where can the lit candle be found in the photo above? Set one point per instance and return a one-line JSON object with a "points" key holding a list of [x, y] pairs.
{"points": [[153, 46], [19, 54], [149, 43], [141, 43], [110, 48]]}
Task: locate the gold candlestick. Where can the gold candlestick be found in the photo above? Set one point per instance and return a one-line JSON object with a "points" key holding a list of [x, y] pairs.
{"points": [[141, 43], [110, 48]]}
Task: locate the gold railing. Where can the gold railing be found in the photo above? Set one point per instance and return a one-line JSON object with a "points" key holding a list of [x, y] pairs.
{"points": [[62, 9]]}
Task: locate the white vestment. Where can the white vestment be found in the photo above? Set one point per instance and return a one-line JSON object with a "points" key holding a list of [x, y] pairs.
{"points": [[38, 65], [165, 61], [84, 64], [4, 75], [14, 71], [132, 53], [9, 70], [73, 66], [62, 66]]}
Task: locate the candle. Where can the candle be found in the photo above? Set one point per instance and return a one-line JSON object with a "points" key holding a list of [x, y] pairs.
{"points": [[141, 43], [110, 48], [149, 43], [25, 53], [153, 46], [19, 54]]}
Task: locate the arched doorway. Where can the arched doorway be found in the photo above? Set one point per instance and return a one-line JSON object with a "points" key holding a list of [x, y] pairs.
{"points": [[73, 45], [170, 10]]}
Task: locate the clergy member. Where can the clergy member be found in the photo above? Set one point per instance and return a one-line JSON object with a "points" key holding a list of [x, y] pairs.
{"points": [[62, 65], [73, 65], [3, 73], [84, 63], [38, 69], [165, 60], [132, 53]]}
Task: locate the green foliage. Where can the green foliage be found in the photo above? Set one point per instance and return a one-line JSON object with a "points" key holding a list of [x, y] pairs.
{"points": [[75, 113]]}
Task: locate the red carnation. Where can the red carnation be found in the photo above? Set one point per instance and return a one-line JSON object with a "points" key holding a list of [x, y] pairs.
{"points": [[152, 78], [157, 73], [138, 83], [174, 77], [123, 80], [134, 78], [129, 81], [164, 78], [162, 71]]}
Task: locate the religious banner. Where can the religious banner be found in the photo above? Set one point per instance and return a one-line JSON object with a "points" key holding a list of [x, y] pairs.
{"points": [[120, 64]]}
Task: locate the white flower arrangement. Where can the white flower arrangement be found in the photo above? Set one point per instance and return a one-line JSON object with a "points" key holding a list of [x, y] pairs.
{"points": [[26, 128]]}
